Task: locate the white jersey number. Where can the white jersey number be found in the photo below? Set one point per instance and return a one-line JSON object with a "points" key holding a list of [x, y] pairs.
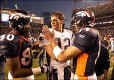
{"points": [[8, 37], [63, 43], [26, 60]]}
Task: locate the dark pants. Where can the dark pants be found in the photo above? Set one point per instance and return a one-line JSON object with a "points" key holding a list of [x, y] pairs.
{"points": [[53, 75], [67, 73], [2, 70], [112, 77]]}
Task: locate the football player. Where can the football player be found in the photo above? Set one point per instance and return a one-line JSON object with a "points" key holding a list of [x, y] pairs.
{"points": [[18, 48], [85, 49], [64, 39]]}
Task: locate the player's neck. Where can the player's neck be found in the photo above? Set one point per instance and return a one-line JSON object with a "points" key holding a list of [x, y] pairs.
{"points": [[60, 29]]}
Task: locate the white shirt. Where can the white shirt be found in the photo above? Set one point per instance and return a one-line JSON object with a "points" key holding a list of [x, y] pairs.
{"points": [[65, 39]]}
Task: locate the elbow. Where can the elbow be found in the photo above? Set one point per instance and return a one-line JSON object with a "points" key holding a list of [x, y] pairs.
{"points": [[62, 58], [14, 74], [59, 59]]}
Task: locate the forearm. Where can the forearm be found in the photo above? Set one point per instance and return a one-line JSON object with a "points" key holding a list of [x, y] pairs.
{"points": [[67, 54], [49, 50], [25, 72], [16, 70], [21, 73], [63, 56]]}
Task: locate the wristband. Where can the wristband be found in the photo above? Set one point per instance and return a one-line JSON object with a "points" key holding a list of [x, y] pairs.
{"points": [[57, 50]]}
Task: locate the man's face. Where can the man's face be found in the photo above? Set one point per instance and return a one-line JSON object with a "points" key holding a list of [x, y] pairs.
{"points": [[55, 23]]}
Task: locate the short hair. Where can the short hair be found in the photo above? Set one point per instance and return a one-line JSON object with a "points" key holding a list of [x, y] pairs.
{"points": [[59, 14]]}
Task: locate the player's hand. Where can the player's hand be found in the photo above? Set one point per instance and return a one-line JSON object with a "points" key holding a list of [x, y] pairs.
{"points": [[47, 33], [36, 70], [49, 36], [43, 41], [44, 68]]}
